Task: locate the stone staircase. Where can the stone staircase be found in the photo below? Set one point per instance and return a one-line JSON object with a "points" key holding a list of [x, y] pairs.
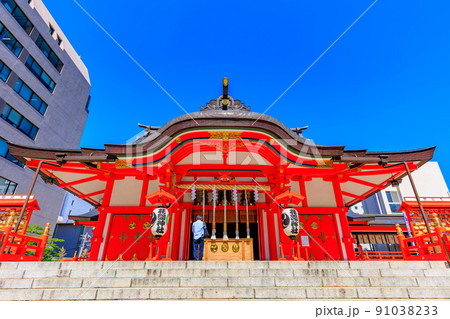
{"points": [[224, 280]]}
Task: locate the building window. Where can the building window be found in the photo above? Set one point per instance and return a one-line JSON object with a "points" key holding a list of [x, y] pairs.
{"points": [[7, 187], [86, 107], [18, 14], [37, 70], [45, 48], [394, 201], [51, 30], [58, 40], [4, 71], [4, 152], [16, 119], [11, 43], [28, 95]]}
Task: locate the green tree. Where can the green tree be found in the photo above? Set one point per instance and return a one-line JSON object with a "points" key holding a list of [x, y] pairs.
{"points": [[52, 250]]}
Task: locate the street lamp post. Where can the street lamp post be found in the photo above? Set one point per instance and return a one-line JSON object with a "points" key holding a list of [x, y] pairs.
{"points": [[24, 207], [415, 192], [22, 212]]}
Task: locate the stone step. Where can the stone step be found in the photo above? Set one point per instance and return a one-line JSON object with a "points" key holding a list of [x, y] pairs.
{"points": [[224, 280], [271, 281], [221, 273], [336, 265], [297, 293]]}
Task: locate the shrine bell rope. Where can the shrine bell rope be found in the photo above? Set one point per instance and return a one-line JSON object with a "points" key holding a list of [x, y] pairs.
{"points": [[213, 232], [246, 214], [236, 206], [203, 206], [225, 234]]}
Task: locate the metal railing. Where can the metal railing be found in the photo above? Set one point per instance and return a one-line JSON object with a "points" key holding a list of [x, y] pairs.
{"points": [[383, 255]]}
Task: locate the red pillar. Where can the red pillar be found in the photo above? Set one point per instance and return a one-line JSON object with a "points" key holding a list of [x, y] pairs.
{"points": [[261, 238], [347, 236], [273, 245], [97, 239], [7, 229], [177, 233], [347, 239]]}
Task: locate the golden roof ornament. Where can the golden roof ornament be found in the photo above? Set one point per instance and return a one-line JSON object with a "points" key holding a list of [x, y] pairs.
{"points": [[225, 94], [225, 102]]}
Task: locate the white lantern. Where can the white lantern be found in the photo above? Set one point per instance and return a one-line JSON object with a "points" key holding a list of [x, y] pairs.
{"points": [[160, 220], [290, 220]]}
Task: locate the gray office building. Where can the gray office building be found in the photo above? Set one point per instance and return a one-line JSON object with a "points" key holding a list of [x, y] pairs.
{"points": [[44, 97]]}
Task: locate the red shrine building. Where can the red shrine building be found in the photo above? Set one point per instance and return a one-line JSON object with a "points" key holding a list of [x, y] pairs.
{"points": [[236, 168]]}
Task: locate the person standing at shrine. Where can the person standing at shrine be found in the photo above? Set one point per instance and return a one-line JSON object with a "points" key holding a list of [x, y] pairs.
{"points": [[198, 229]]}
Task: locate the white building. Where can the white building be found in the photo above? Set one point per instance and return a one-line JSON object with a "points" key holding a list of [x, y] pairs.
{"points": [[72, 205], [429, 182]]}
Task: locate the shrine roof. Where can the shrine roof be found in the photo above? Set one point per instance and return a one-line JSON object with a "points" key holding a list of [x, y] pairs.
{"points": [[212, 117], [270, 142], [17, 201], [91, 215], [218, 115], [427, 202], [377, 219], [110, 152]]}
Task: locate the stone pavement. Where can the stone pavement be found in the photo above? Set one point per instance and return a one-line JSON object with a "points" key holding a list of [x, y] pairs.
{"points": [[211, 280]]}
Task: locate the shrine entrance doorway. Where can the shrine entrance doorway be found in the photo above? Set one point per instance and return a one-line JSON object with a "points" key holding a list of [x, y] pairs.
{"points": [[250, 245]]}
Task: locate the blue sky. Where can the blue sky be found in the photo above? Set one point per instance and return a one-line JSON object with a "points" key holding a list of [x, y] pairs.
{"points": [[384, 86]]}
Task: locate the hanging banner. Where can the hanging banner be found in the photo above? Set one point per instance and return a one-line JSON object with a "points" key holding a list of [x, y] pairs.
{"points": [[407, 224]]}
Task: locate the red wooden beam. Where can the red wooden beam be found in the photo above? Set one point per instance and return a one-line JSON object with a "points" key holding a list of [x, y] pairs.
{"points": [[144, 191], [369, 192], [365, 183], [352, 195], [376, 172], [319, 210], [72, 170], [80, 181], [93, 194], [44, 170], [303, 192], [69, 187], [259, 170], [129, 210]]}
